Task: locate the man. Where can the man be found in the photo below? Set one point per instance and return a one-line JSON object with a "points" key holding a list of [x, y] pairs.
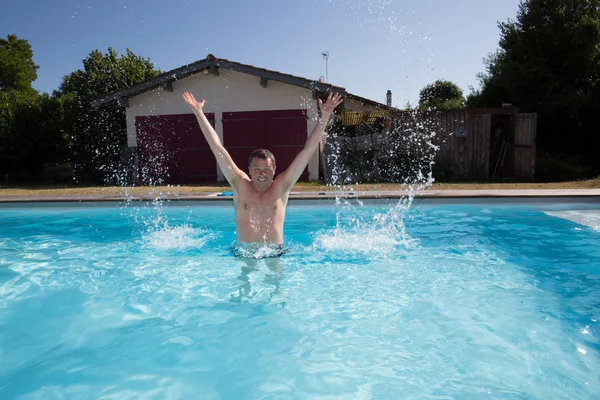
{"points": [[260, 201]]}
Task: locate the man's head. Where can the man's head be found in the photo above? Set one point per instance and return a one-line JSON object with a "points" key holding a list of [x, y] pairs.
{"points": [[261, 165]]}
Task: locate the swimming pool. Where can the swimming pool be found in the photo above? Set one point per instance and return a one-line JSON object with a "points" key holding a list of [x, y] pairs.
{"points": [[481, 300]]}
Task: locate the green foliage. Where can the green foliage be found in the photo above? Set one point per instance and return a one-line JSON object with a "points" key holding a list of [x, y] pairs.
{"points": [[30, 133], [17, 69], [442, 171], [442, 95], [400, 153], [98, 134], [562, 167], [549, 63], [439, 104]]}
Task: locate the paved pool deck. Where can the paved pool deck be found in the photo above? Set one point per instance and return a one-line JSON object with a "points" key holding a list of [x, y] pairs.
{"points": [[531, 194]]}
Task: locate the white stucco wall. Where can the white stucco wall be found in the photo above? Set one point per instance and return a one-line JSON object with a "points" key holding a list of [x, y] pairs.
{"points": [[229, 92]]}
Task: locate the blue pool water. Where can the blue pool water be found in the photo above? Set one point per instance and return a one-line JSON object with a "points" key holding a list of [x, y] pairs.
{"points": [[371, 302]]}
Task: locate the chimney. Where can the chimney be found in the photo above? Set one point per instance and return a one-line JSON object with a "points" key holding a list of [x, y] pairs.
{"points": [[388, 98]]}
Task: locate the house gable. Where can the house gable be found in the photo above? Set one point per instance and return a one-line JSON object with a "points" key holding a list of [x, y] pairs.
{"points": [[213, 66]]}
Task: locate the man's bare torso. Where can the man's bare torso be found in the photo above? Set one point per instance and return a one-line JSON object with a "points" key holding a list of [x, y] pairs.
{"points": [[260, 200], [259, 216]]}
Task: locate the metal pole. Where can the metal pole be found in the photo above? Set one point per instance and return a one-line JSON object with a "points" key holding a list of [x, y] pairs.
{"points": [[325, 55]]}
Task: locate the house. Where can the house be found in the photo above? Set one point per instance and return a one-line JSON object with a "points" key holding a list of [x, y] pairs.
{"points": [[249, 107]]}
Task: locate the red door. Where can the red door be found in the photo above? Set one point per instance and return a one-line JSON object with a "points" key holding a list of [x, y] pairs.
{"points": [[173, 150], [283, 132]]}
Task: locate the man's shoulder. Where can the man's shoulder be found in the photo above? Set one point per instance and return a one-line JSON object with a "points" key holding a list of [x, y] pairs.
{"points": [[243, 183], [281, 189], [282, 184]]}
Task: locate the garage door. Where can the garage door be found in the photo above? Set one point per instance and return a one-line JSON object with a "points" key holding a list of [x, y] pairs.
{"points": [[283, 132], [173, 150]]}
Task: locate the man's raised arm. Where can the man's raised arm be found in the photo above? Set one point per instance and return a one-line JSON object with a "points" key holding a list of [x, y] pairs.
{"points": [[230, 170], [292, 174]]}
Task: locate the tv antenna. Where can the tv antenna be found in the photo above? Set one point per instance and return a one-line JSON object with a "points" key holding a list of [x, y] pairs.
{"points": [[325, 55]]}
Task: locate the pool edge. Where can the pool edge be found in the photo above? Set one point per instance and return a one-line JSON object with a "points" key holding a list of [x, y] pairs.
{"points": [[587, 195]]}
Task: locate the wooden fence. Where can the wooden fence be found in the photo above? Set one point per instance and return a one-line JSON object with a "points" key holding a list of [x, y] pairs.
{"points": [[474, 143]]}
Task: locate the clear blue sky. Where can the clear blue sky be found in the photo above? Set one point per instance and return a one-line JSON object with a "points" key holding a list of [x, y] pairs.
{"points": [[374, 45]]}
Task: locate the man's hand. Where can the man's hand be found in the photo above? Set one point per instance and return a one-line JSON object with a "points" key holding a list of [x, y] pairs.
{"points": [[333, 100], [191, 101], [289, 177], [231, 172]]}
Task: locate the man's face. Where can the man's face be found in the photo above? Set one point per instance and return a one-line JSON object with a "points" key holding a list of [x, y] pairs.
{"points": [[262, 171]]}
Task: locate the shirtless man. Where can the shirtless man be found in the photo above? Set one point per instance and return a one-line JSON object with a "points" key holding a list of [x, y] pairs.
{"points": [[260, 201]]}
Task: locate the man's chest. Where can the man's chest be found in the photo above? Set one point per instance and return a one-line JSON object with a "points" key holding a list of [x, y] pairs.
{"points": [[262, 206], [268, 204]]}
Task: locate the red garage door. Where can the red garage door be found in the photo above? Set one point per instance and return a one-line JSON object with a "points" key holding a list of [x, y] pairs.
{"points": [[172, 149], [283, 132]]}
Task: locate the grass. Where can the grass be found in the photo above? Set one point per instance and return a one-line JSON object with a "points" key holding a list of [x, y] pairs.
{"points": [[56, 190]]}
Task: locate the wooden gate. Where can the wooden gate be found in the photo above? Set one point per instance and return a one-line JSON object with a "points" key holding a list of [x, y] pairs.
{"points": [[480, 146], [464, 140], [283, 132], [172, 149], [524, 145]]}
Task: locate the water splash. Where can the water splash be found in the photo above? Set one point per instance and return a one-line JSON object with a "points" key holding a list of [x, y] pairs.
{"points": [[176, 237], [156, 230], [398, 148], [360, 231], [258, 250]]}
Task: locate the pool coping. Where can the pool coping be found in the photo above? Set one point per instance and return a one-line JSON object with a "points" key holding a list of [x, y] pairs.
{"points": [[588, 194]]}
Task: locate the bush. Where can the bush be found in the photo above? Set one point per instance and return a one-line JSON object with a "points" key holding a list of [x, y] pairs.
{"points": [[400, 153], [442, 171], [562, 167], [30, 134]]}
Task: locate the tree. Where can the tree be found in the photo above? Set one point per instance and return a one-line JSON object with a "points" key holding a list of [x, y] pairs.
{"points": [[549, 63], [99, 134], [17, 69], [441, 94], [31, 134]]}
